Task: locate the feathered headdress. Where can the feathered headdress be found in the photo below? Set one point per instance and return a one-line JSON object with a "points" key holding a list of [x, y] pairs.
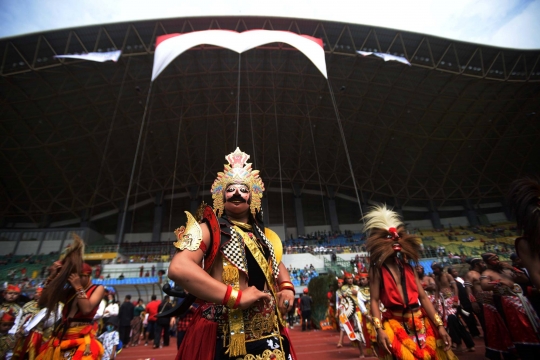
{"points": [[524, 200], [238, 171], [388, 236]]}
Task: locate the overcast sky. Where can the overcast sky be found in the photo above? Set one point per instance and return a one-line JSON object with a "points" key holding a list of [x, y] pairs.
{"points": [[503, 23]]}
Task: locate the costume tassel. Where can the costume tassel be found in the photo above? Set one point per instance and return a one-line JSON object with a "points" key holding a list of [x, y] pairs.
{"points": [[237, 343], [237, 346]]}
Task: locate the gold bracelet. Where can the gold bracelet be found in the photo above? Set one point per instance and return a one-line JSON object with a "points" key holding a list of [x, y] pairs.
{"points": [[437, 320], [377, 323], [232, 299]]}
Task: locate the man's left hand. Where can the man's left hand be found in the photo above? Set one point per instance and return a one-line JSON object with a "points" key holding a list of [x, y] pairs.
{"points": [[283, 295]]}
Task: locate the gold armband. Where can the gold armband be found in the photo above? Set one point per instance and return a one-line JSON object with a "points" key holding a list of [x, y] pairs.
{"points": [[190, 236], [232, 299], [437, 320], [377, 323]]}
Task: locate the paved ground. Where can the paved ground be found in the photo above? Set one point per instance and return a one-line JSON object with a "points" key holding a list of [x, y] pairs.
{"points": [[309, 345]]}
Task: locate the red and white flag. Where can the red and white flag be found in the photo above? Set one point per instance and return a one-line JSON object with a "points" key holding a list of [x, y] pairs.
{"points": [[168, 47], [94, 56]]}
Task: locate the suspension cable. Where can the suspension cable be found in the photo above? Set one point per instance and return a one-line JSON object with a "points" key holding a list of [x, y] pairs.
{"points": [[278, 149], [316, 160], [205, 147], [345, 146], [251, 118], [238, 100], [123, 223], [140, 171], [176, 164], [92, 200]]}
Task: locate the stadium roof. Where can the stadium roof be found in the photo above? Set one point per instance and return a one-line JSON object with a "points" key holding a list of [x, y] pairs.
{"points": [[459, 124]]}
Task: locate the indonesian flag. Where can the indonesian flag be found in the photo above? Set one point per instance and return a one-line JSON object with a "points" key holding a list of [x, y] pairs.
{"points": [[168, 47], [94, 56]]}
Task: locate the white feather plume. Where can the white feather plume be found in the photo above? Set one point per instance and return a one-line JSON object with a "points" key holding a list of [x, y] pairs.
{"points": [[380, 217]]}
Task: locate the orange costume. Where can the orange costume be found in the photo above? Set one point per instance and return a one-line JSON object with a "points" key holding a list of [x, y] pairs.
{"points": [[75, 338], [409, 329]]}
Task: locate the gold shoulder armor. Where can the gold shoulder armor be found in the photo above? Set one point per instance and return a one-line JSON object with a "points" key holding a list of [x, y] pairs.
{"points": [[189, 236]]}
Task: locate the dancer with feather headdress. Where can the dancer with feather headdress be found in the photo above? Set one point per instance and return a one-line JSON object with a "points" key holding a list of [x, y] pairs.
{"points": [[406, 330]]}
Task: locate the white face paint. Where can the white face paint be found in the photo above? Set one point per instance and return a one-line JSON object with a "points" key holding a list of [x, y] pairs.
{"points": [[237, 199]]}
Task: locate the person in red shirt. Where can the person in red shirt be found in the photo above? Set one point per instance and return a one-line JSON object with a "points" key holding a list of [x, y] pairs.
{"points": [[152, 311]]}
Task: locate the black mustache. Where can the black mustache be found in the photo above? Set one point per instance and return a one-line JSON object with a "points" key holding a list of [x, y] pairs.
{"points": [[236, 198]]}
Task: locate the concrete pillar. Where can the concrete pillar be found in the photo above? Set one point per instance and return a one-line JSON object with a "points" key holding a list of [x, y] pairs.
{"points": [[67, 236], [194, 196], [331, 198], [19, 237], [470, 213], [45, 221], [41, 238], [158, 217], [85, 220], [434, 215], [507, 211], [398, 207], [120, 231], [299, 212]]}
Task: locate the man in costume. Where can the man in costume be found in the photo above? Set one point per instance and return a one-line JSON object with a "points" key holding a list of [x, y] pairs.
{"points": [[350, 310], [11, 295], [520, 317], [10, 306], [29, 310], [496, 336], [364, 295], [524, 200], [232, 264], [465, 310], [70, 283], [447, 294], [7, 341], [407, 330]]}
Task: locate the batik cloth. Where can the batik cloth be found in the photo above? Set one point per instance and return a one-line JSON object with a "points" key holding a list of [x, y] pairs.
{"points": [[446, 305], [109, 340], [413, 336], [77, 343], [264, 338]]}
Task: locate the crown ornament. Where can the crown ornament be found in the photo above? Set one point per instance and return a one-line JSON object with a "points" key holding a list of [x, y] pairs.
{"points": [[238, 171]]}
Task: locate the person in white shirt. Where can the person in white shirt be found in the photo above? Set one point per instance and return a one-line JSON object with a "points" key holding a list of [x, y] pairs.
{"points": [[112, 307]]}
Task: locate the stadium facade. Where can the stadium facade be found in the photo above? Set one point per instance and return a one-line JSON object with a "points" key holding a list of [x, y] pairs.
{"points": [[440, 140]]}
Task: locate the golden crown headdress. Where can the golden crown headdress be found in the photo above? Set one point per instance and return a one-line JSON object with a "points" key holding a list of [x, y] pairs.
{"points": [[238, 171]]}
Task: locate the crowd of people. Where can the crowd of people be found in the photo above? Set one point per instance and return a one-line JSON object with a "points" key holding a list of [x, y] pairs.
{"points": [[238, 292], [88, 323], [406, 314]]}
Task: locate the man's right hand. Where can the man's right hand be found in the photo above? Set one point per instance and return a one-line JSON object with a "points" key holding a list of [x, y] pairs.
{"points": [[384, 341], [250, 295]]}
